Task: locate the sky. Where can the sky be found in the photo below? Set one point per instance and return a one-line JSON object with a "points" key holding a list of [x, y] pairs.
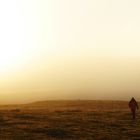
{"points": [[69, 49]]}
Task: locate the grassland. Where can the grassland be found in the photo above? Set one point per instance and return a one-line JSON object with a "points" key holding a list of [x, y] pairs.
{"points": [[69, 120]]}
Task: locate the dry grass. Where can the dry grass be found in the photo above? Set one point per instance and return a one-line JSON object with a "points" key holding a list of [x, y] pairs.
{"points": [[69, 120]]}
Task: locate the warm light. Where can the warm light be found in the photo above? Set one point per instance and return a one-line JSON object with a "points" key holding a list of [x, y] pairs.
{"points": [[17, 35], [62, 49]]}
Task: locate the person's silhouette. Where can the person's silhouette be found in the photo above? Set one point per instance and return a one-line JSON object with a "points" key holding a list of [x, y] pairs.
{"points": [[133, 105]]}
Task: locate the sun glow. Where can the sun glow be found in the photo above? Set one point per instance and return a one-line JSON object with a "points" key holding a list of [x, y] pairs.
{"points": [[69, 49], [11, 36], [17, 35]]}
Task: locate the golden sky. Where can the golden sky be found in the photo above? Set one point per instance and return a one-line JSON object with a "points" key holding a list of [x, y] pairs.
{"points": [[69, 49]]}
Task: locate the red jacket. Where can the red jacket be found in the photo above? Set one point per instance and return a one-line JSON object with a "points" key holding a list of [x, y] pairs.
{"points": [[133, 104]]}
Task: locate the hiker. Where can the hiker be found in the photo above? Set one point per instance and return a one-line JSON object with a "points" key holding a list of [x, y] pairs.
{"points": [[133, 105]]}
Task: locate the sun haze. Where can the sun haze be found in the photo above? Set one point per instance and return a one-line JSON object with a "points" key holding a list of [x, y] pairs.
{"points": [[69, 49]]}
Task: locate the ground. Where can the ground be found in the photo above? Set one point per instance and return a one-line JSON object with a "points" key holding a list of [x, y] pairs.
{"points": [[69, 120]]}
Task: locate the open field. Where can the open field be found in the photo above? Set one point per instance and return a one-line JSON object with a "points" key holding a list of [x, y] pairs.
{"points": [[69, 120]]}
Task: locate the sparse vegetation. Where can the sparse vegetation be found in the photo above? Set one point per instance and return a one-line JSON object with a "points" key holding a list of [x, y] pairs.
{"points": [[69, 120]]}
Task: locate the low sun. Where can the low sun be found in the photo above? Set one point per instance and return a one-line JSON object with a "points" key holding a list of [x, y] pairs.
{"points": [[11, 38], [19, 35]]}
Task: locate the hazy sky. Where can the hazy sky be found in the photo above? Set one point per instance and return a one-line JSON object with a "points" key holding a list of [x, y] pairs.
{"points": [[69, 49]]}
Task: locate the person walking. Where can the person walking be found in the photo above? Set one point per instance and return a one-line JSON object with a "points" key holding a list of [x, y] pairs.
{"points": [[133, 105]]}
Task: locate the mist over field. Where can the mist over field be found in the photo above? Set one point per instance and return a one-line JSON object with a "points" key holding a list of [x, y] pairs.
{"points": [[62, 49]]}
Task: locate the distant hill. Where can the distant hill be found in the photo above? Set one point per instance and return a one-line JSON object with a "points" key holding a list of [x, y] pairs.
{"points": [[81, 104], [88, 105]]}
